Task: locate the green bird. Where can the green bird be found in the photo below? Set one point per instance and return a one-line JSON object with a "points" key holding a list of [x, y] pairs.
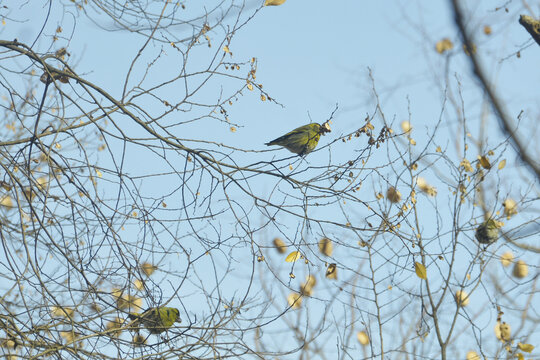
{"points": [[487, 232], [155, 320], [302, 140]]}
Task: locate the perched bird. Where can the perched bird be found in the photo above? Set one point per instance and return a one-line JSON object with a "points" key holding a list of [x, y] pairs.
{"points": [[302, 140], [487, 232], [156, 320]]}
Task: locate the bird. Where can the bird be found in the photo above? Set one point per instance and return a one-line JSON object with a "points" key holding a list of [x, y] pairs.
{"points": [[487, 232], [156, 320], [303, 139]]}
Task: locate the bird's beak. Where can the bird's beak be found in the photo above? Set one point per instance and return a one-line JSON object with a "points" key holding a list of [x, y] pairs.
{"points": [[326, 127]]}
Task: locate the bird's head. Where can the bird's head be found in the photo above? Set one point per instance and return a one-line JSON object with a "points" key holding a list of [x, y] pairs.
{"points": [[325, 128], [176, 314]]}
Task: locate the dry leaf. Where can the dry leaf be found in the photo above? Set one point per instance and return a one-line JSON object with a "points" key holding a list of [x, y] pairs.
{"points": [[126, 301], [484, 161], [292, 257], [6, 201], [294, 300], [331, 271], [466, 165], [114, 327], [147, 268], [406, 126], [462, 298], [273, 2], [280, 245], [425, 187], [525, 347], [138, 284], [326, 247], [521, 269], [507, 258], [472, 355], [420, 270], [443, 45], [362, 337], [139, 340], [502, 331], [393, 195], [62, 311], [510, 207], [502, 164]]}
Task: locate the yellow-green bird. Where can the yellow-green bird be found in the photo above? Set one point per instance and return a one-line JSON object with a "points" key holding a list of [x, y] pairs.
{"points": [[156, 320], [487, 232], [302, 140]]}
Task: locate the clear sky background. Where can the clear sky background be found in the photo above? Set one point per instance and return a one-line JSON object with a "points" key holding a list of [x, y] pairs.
{"points": [[312, 55]]}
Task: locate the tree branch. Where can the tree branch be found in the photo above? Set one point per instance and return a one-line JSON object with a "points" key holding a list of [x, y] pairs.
{"points": [[532, 26], [505, 123]]}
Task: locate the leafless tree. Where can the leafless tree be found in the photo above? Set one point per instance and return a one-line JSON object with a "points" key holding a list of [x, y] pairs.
{"points": [[117, 198]]}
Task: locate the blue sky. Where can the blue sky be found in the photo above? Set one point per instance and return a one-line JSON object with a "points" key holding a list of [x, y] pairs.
{"points": [[310, 56]]}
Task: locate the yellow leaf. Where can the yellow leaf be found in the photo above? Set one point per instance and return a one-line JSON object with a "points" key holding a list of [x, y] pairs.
{"points": [[306, 288], [69, 336], [326, 247], [273, 2], [66, 312], [466, 165], [280, 245], [510, 207], [487, 30], [250, 87], [507, 258], [6, 201], [331, 271], [484, 161], [502, 331], [462, 298], [226, 49], [438, 149], [114, 327], [406, 126], [393, 195], [425, 187], [520, 356], [525, 347], [294, 300], [139, 284], [443, 45], [148, 269], [521, 269], [502, 164], [362, 337], [420, 270], [292, 257], [139, 340], [472, 355], [263, 97]]}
